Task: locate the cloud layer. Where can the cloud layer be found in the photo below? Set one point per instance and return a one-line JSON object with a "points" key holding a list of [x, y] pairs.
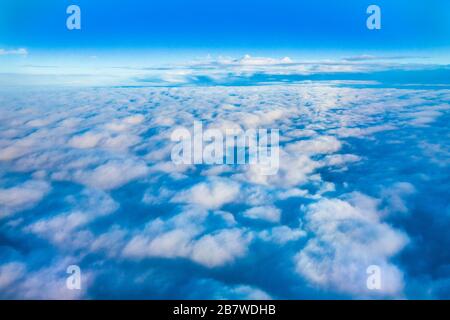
{"points": [[86, 178]]}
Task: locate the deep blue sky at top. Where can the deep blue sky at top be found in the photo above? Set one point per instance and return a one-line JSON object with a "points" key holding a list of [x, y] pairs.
{"points": [[224, 25]]}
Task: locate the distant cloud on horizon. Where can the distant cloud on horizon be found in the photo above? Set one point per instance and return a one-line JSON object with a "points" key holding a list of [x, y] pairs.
{"points": [[14, 52]]}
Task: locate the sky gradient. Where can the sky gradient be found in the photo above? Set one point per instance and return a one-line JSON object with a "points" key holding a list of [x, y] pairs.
{"points": [[286, 27]]}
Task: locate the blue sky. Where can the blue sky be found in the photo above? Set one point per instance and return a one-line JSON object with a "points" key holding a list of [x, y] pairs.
{"points": [[172, 29]]}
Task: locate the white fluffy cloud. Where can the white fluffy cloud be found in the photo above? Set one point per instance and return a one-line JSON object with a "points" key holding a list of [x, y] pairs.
{"points": [[210, 250], [10, 273], [395, 195], [22, 197], [86, 140], [184, 236], [318, 145], [212, 194], [249, 60], [68, 230], [244, 292], [48, 284], [294, 171], [113, 174], [220, 248], [348, 237], [282, 234], [268, 213], [118, 136]]}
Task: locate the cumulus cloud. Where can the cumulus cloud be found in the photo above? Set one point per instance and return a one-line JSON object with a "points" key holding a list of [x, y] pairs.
{"points": [[108, 151], [222, 247], [294, 171], [86, 140], [268, 213], [249, 60], [212, 194], [10, 273], [319, 145], [226, 69], [22, 197], [181, 237], [243, 292], [215, 289], [113, 174], [68, 229], [211, 250], [425, 117], [47, 282], [282, 234], [341, 159], [348, 237], [395, 195]]}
